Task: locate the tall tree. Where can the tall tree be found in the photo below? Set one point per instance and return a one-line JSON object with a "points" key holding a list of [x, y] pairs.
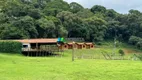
{"points": [[46, 28], [75, 7], [98, 9], [97, 28], [85, 13], [54, 7], [73, 24]]}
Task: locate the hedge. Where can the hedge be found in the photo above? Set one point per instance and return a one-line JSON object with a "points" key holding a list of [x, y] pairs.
{"points": [[10, 47]]}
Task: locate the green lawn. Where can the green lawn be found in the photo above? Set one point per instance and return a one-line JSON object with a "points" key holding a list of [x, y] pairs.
{"points": [[18, 67]]}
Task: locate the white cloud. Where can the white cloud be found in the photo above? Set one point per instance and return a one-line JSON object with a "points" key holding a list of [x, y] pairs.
{"points": [[122, 6]]}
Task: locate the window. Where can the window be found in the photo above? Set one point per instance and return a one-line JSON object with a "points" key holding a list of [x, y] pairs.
{"points": [[25, 46], [65, 46], [83, 46]]}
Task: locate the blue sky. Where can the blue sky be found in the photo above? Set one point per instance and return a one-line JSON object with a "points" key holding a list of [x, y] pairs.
{"points": [[121, 6]]}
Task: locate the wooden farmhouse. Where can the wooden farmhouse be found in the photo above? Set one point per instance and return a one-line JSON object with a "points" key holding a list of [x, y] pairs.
{"points": [[51, 44], [38, 44], [37, 47]]}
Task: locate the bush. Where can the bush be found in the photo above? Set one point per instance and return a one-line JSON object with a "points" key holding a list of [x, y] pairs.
{"points": [[134, 40], [99, 43], [121, 52], [10, 47], [139, 44], [139, 57], [117, 44]]}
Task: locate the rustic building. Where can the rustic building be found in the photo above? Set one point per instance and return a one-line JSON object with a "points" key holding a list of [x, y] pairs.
{"points": [[36, 44], [89, 45], [81, 45]]}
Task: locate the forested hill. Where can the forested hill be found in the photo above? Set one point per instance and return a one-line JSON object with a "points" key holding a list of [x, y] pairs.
{"points": [[21, 19]]}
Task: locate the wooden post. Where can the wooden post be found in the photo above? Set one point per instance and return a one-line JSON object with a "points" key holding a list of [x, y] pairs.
{"points": [[28, 52], [36, 49], [73, 51]]}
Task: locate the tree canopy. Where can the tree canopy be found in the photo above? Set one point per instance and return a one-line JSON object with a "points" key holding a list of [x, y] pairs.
{"points": [[20, 19]]}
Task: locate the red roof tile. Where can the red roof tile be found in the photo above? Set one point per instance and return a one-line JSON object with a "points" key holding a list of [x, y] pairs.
{"points": [[80, 43], [38, 40], [88, 43]]}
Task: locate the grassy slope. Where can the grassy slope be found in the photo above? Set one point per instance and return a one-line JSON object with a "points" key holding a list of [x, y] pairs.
{"points": [[17, 67]]}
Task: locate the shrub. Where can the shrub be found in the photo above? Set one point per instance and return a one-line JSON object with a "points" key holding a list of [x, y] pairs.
{"points": [[134, 40], [139, 57], [121, 52], [99, 43], [10, 47], [117, 44], [139, 44]]}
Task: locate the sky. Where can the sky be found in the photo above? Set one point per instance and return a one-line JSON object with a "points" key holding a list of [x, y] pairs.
{"points": [[121, 6]]}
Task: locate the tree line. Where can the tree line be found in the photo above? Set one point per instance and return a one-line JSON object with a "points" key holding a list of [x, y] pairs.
{"points": [[21, 19]]}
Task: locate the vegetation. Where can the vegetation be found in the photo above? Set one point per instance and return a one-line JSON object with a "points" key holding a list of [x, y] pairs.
{"points": [[137, 41], [121, 52], [10, 47], [55, 18], [17, 67], [24, 19]]}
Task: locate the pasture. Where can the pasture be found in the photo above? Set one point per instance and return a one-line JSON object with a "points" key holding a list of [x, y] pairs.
{"points": [[19, 67]]}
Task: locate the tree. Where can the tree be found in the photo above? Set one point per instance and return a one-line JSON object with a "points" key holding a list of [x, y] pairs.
{"points": [[97, 28], [85, 13], [14, 9], [121, 52], [112, 30], [75, 7], [111, 13], [46, 28], [35, 13], [57, 18], [60, 30], [139, 44], [98, 9], [3, 18], [74, 24], [10, 32], [26, 26], [54, 7], [134, 40]]}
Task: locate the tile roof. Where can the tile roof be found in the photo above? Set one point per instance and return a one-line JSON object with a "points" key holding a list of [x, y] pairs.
{"points": [[53, 40], [80, 43], [88, 43]]}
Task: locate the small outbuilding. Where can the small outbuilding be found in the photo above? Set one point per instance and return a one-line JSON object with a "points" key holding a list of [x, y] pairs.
{"points": [[63, 46], [80, 45], [76, 46], [71, 45], [89, 45]]}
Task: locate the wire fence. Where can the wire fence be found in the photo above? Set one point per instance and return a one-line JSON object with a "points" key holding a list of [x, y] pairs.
{"points": [[92, 54]]}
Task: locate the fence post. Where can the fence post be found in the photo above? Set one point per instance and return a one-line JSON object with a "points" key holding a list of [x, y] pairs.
{"points": [[73, 50]]}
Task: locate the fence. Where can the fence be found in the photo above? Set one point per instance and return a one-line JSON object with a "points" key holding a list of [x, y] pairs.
{"points": [[43, 50], [92, 54]]}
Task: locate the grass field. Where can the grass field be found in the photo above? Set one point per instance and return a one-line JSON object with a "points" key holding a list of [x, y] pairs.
{"points": [[18, 67]]}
